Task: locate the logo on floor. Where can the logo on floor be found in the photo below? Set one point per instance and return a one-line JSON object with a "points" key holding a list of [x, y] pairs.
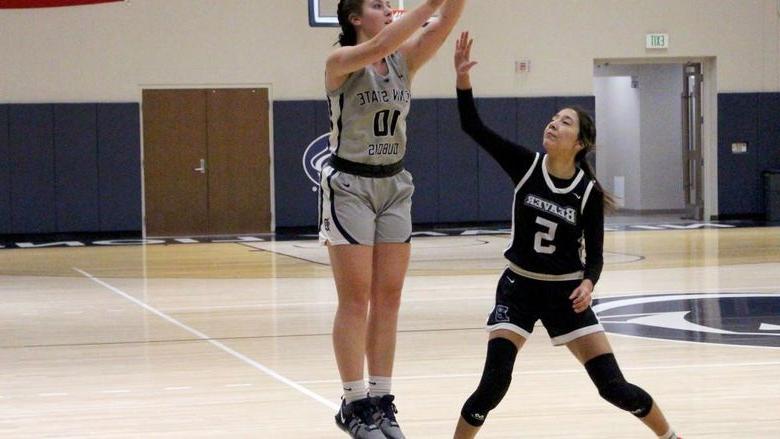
{"points": [[746, 319]]}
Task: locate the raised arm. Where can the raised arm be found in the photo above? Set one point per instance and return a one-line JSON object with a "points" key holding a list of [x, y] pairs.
{"points": [[348, 59], [422, 47], [513, 158]]}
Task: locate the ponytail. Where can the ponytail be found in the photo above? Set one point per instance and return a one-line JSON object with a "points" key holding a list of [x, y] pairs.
{"points": [[345, 10], [582, 160], [587, 137]]}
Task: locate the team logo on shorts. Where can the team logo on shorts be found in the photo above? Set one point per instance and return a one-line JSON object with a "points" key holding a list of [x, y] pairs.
{"points": [[315, 157], [502, 313], [747, 319]]}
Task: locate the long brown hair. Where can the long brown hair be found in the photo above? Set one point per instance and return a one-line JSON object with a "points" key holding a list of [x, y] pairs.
{"points": [[587, 138], [345, 10]]}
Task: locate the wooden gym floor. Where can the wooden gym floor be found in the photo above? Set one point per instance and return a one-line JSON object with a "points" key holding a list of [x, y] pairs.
{"points": [[233, 340]]}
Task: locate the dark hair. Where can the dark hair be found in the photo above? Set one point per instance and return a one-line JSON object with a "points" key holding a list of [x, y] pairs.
{"points": [[587, 138], [346, 8]]}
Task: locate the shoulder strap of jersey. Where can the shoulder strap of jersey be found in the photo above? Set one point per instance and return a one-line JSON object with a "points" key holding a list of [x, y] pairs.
{"points": [[399, 63], [528, 173], [587, 194]]}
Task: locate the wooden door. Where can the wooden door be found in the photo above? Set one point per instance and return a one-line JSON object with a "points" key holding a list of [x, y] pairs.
{"points": [[206, 162], [175, 185], [238, 161]]}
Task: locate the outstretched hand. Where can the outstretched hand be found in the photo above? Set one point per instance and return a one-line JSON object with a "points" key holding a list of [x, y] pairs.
{"points": [[463, 62]]}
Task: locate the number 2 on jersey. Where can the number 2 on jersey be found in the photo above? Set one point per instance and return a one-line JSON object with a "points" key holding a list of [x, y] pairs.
{"points": [[381, 126], [549, 235]]}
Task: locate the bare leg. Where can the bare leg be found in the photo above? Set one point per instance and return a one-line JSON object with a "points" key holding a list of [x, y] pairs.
{"points": [[352, 267], [591, 346], [464, 430], [390, 264]]}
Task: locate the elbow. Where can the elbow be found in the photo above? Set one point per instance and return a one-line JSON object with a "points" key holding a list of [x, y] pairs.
{"points": [[596, 262], [468, 127], [451, 12]]}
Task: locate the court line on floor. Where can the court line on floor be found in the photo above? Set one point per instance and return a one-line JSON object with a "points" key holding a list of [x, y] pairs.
{"points": [[238, 338], [632, 258], [485, 297], [268, 371], [562, 371]]}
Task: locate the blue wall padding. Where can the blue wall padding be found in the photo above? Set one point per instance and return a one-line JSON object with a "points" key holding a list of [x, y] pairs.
{"points": [[458, 178], [31, 157], [533, 115], [769, 130], [70, 168], [739, 176], [119, 166], [5, 173], [422, 159], [751, 118], [496, 189], [295, 126], [75, 167]]}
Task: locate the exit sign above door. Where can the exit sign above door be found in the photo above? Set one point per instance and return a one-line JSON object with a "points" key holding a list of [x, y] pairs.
{"points": [[657, 41]]}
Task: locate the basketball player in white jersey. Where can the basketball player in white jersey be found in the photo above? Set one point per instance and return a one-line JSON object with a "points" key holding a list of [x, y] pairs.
{"points": [[365, 193], [554, 259]]}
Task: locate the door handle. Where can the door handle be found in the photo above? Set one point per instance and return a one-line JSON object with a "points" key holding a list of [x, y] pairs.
{"points": [[202, 168]]}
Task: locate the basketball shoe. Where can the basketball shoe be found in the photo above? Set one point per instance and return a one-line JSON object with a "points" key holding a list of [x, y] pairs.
{"points": [[385, 417], [357, 419]]}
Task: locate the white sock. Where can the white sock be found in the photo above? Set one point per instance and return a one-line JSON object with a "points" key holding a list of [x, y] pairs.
{"points": [[669, 435], [354, 390], [379, 386]]}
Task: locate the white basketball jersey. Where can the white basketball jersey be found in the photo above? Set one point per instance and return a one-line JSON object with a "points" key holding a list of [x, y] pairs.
{"points": [[368, 114]]}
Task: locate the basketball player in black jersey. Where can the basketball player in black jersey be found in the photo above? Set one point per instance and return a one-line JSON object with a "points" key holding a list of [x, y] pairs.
{"points": [[558, 213]]}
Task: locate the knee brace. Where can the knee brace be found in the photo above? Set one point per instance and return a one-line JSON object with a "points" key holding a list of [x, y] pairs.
{"points": [[606, 375], [496, 377]]}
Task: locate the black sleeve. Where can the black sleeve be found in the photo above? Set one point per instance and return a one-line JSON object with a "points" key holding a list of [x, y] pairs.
{"points": [[513, 158], [593, 226]]}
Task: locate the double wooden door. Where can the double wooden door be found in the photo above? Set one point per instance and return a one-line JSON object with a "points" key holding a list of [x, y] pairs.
{"points": [[206, 162]]}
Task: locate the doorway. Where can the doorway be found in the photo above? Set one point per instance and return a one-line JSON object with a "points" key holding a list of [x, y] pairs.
{"points": [[652, 135], [206, 161], [693, 170]]}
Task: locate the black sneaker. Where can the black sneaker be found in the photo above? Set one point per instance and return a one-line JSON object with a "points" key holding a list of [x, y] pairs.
{"points": [[385, 417], [356, 419]]}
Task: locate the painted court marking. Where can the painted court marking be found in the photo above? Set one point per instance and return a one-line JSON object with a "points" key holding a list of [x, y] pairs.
{"points": [[569, 371], [268, 371]]}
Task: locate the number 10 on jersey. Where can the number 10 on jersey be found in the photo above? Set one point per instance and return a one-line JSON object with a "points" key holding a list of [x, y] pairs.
{"points": [[383, 124]]}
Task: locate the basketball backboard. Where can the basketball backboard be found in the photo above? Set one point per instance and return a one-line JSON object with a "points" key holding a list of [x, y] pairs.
{"points": [[323, 12]]}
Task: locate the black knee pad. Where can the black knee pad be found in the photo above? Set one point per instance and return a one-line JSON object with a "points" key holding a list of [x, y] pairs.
{"points": [[613, 387], [496, 377]]}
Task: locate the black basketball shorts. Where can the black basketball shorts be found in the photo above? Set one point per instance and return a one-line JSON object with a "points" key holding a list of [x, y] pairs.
{"points": [[521, 301]]}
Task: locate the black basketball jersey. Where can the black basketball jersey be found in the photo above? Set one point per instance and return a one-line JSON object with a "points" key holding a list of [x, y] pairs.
{"points": [[547, 227], [552, 220]]}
